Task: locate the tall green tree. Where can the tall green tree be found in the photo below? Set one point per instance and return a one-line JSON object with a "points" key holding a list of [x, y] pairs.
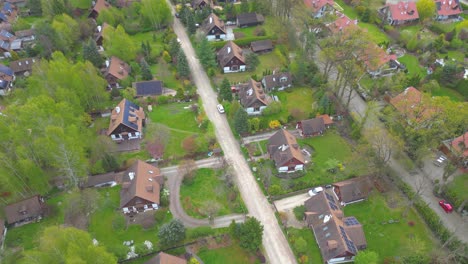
{"points": [[35, 7], [174, 47], [241, 123], [250, 234], [182, 65], [206, 53], [118, 43], [112, 16], [51, 8], [426, 9], [145, 71], [91, 53], [62, 245], [171, 233], [156, 13], [252, 61], [244, 8], [225, 90]]}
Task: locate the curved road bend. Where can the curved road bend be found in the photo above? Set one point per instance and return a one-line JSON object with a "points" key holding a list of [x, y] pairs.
{"points": [[174, 181], [275, 243]]}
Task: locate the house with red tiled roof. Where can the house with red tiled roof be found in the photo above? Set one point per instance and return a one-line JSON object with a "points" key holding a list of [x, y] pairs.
{"points": [[378, 63], [320, 7], [457, 150], [447, 9], [116, 70], [285, 152], [141, 187], [342, 24], [413, 105], [164, 258], [399, 13]]}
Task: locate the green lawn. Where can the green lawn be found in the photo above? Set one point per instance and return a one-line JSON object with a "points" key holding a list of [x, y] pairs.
{"points": [[457, 188], [233, 254], [269, 61], [247, 31], [164, 72], [412, 64], [182, 124], [390, 240], [452, 94], [329, 146], [313, 251], [154, 38], [376, 35], [208, 187], [296, 98]]}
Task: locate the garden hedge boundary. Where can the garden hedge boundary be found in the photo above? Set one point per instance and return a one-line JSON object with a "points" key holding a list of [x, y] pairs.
{"points": [[431, 218]]}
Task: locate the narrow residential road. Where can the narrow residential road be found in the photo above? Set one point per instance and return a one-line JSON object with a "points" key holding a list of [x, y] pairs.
{"points": [[291, 202], [417, 179], [174, 181], [276, 246]]}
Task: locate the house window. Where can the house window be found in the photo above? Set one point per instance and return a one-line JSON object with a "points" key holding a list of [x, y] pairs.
{"points": [[325, 228], [284, 79], [327, 235], [256, 109]]}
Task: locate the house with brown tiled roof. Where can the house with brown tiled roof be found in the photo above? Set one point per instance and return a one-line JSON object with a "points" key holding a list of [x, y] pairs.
{"points": [[253, 98], [457, 150], [25, 211], [213, 28], [285, 152], [339, 238], [353, 190], [412, 104], [26, 36], [164, 258], [277, 81], [378, 63], [116, 70], [23, 67], [319, 8], [399, 13], [199, 4], [126, 121], [231, 58], [311, 127], [98, 7], [141, 187], [261, 46], [447, 9], [249, 19]]}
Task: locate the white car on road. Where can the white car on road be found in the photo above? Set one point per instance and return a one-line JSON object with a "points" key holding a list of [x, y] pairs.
{"points": [[315, 191], [220, 108]]}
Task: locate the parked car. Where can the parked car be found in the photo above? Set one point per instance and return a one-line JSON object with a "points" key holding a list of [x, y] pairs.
{"points": [[315, 191], [446, 206], [220, 108]]}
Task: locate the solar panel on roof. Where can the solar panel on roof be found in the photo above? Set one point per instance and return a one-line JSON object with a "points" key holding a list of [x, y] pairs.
{"points": [[329, 197], [351, 221], [333, 206], [349, 243], [3, 17]]}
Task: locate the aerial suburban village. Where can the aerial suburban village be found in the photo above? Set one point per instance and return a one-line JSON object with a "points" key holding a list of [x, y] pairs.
{"points": [[234, 132]]}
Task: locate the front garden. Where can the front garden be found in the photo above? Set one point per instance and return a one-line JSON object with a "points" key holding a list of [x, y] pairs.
{"points": [[210, 194]]}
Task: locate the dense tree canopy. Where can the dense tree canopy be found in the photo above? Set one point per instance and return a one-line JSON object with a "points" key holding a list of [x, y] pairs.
{"points": [[156, 13], [171, 233], [118, 43]]}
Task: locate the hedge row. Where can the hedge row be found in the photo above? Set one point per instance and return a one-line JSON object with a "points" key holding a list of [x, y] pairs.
{"points": [[430, 217], [243, 42]]}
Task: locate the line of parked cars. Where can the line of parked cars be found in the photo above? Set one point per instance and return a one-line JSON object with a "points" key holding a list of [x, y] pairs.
{"points": [[440, 160]]}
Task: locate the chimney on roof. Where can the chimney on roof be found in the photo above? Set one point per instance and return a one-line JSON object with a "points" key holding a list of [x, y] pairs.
{"points": [[332, 244], [131, 175]]}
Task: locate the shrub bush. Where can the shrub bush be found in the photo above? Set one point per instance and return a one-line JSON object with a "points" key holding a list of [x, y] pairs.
{"points": [[198, 232], [160, 215], [118, 222]]}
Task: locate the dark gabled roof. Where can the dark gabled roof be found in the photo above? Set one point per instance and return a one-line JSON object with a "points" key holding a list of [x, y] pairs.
{"points": [[312, 126], [94, 180], [283, 147], [4, 84], [22, 65], [3, 17], [6, 70], [5, 35], [197, 3], [148, 88], [354, 189], [24, 33], [4, 45], [164, 258], [7, 7], [30, 207], [211, 22], [128, 114], [332, 234], [142, 180], [252, 95], [250, 18], [274, 80], [261, 45], [228, 52]]}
